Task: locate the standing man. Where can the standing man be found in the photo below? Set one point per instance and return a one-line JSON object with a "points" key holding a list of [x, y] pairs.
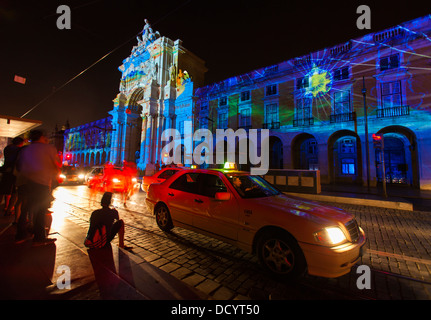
{"points": [[8, 180], [40, 165]]}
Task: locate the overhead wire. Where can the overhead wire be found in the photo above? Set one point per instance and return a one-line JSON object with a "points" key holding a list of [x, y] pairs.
{"points": [[99, 60]]}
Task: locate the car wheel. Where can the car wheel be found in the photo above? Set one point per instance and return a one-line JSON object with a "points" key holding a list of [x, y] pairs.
{"points": [[279, 253], [163, 217]]}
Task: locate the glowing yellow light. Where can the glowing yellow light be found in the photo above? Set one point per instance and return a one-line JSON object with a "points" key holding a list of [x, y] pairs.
{"points": [[319, 82]]}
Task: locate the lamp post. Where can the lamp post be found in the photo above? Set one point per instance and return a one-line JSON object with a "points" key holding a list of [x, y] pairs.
{"points": [[367, 151]]}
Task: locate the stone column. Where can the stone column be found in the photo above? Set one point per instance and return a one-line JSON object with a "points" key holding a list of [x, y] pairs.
{"points": [[160, 128], [141, 163], [148, 139]]}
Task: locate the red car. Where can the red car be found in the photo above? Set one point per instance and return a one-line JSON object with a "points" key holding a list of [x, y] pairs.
{"points": [[158, 177], [289, 235]]}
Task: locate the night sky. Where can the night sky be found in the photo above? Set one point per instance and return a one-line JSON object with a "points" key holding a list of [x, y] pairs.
{"points": [[233, 37]]}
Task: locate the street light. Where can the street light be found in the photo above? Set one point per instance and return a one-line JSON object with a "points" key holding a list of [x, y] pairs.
{"points": [[367, 151], [378, 143]]}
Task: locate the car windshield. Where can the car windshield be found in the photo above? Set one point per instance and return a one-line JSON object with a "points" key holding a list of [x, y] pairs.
{"points": [[249, 186]]}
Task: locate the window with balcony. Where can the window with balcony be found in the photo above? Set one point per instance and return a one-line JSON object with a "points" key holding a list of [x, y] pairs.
{"points": [[342, 110], [391, 94], [222, 121], [391, 100], [303, 115], [245, 118], [271, 117]]}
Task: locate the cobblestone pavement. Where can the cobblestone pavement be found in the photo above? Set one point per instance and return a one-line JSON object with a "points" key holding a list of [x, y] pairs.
{"points": [[398, 255]]}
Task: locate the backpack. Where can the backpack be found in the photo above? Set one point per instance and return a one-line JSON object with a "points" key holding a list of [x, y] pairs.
{"points": [[99, 239]]}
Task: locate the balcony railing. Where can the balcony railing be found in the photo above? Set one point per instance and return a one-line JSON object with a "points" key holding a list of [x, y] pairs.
{"points": [[271, 125], [342, 117], [393, 112], [303, 122]]}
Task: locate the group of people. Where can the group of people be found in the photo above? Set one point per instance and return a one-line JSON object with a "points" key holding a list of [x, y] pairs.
{"points": [[28, 176]]}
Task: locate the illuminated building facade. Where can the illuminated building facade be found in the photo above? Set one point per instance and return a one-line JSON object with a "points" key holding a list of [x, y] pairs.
{"points": [[315, 105], [318, 107], [89, 144]]}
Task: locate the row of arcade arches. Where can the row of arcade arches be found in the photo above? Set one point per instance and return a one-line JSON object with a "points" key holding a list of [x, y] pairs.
{"points": [[345, 160], [342, 156], [88, 159]]}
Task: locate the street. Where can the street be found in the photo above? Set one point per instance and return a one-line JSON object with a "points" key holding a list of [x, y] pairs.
{"points": [[398, 254]]}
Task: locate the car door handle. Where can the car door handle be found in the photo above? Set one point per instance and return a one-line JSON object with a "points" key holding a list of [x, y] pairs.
{"points": [[198, 200], [170, 194]]}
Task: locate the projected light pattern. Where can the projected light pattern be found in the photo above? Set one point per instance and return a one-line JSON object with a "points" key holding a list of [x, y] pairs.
{"points": [[320, 82], [88, 144], [315, 103]]}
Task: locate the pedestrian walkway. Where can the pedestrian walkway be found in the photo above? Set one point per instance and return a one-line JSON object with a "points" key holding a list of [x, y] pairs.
{"points": [[397, 197], [67, 270]]}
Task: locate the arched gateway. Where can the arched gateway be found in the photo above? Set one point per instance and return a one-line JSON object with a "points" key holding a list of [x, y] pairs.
{"points": [[155, 94]]}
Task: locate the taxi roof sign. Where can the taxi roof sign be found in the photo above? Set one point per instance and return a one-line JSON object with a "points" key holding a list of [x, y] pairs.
{"points": [[229, 165]]}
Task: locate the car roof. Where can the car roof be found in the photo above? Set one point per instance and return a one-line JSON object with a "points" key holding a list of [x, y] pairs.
{"points": [[217, 170]]}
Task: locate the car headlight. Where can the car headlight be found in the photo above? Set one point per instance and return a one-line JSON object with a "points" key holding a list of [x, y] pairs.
{"points": [[115, 180], [330, 236], [81, 176], [62, 176]]}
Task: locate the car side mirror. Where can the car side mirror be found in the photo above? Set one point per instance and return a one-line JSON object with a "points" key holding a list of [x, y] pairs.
{"points": [[222, 196]]}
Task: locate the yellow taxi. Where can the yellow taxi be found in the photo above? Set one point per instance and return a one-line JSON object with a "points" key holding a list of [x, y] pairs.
{"points": [[290, 235]]}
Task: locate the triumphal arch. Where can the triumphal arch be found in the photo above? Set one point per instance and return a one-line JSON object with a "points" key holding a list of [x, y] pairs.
{"points": [[156, 93]]}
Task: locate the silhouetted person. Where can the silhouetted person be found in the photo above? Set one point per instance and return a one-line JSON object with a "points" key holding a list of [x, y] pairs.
{"points": [[8, 179], [39, 165], [105, 223]]}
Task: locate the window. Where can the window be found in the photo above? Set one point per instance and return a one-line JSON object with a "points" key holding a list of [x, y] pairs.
{"points": [[211, 184], [303, 112], [348, 166], [391, 94], [342, 102], [166, 174], [245, 118], [341, 74], [312, 147], [271, 90], [390, 62], [181, 128], [203, 123], [302, 83], [245, 96], [186, 183], [222, 120], [271, 113], [347, 146], [222, 101], [249, 186]]}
